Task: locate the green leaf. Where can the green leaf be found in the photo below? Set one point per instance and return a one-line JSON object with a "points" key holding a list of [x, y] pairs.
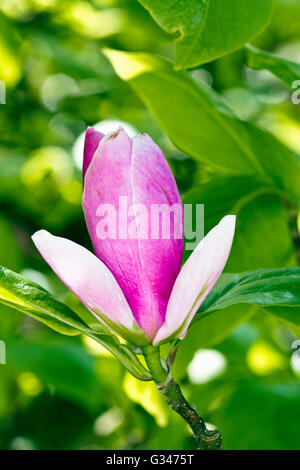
{"points": [[223, 195], [285, 70], [260, 415], [10, 64], [260, 213], [276, 290], [201, 124], [124, 354], [265, 288], [64, 365], [254, 245], [28, 297], [10, 253], [289, 315], [234, 299], [86, 316], [209, 28]]}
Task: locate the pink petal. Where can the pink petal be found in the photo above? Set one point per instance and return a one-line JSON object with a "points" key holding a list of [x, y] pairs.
{"points": [[145, 269], [87, 277], [196, 279], [91, 142]]}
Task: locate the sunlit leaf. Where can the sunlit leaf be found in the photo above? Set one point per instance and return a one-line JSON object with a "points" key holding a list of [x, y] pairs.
{"points": [[205, 128], [10, 69], [28, 297], [209, 29], [147, 395]]}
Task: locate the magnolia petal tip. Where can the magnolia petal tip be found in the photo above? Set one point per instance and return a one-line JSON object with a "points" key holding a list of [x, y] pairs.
{"points": [[229, 220], [91, 143], [89, 130], [39, 235], [231, 217]]}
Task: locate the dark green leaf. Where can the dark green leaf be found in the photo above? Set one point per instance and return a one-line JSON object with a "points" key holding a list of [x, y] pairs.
{"points": [[64, 365], [276, 290], [254, 245], [261, 416], [260, 212], [289, 315], [266, 288]]}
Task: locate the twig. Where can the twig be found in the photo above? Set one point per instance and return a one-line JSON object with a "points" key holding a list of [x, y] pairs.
{"points": [[206, 439]]}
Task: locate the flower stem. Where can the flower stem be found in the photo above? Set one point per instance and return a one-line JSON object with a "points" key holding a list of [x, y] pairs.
{"points": [[205, 438]]}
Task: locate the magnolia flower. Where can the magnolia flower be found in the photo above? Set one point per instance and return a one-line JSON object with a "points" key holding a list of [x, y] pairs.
{"points": [[135, 285]]}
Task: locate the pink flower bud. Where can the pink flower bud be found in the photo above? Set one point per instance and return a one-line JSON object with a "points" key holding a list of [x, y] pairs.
{"points": [[145, 268], [134, 216]]}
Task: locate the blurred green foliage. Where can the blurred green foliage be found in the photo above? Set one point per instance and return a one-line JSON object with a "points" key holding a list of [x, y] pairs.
{"points": [[65, 392]]}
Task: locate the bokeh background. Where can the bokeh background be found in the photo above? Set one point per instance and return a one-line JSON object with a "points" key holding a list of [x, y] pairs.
{"points": [[66, 392]]}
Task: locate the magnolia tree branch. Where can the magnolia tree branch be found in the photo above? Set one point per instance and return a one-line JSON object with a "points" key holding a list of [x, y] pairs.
{"points": [[206, 439]]}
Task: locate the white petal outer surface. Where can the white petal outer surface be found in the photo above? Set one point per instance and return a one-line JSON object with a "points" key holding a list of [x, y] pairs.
{"points": [[196, 279], [89, 279]]}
